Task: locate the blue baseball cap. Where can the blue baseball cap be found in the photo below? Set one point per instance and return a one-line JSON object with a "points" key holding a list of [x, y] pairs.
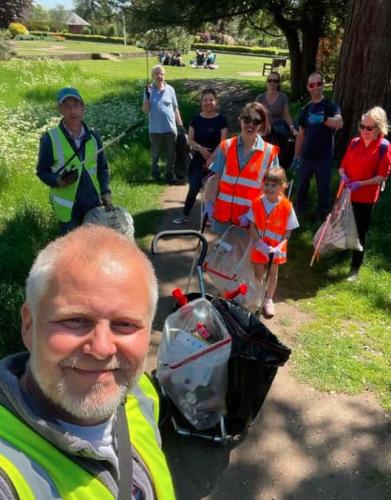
{"points": [[68, 92]]}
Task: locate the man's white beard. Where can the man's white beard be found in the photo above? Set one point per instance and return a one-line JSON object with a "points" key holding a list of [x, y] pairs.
{"points": [[91, 406]]}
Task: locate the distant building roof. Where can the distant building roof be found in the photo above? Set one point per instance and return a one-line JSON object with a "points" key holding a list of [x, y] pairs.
{"points": [[75, 20]]}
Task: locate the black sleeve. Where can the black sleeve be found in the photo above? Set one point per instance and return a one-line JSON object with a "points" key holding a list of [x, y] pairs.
{"points": [[302, 115], [224, 123], [193, 122], [46, 161]]}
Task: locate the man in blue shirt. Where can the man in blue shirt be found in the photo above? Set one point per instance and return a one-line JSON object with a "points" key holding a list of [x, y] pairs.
{"points": [[161, 104], [314, 147]]}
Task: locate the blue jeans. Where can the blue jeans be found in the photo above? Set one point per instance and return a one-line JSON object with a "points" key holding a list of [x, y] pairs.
{"points": [[322, 172]]}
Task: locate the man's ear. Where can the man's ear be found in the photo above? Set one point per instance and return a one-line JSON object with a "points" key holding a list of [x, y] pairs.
{"points": [[27, 326]]}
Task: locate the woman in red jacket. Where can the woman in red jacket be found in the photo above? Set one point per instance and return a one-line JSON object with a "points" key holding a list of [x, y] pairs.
{"points": [[364, 167]]}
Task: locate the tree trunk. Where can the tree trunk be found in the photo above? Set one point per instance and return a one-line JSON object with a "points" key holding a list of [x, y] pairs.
{"points": [[296, 61], [363, 78], [303, 59]]}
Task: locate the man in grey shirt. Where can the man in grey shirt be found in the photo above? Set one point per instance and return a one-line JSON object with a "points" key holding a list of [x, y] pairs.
{"points": [[161, 104]]}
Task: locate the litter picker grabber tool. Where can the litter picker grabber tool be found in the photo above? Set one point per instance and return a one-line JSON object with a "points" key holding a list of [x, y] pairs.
{"points": [[291, 183], [316, 254], [106, 145], [265, 281]]}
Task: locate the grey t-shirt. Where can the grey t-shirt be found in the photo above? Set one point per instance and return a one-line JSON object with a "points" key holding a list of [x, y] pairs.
{"points": [[276, 110]]}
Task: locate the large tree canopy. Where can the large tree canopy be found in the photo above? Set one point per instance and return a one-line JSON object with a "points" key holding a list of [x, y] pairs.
{"points": [[303, 22], [14, 10], [363, 76]]}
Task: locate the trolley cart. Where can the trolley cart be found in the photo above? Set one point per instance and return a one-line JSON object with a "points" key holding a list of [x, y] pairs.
{"points": [[252, 361]]}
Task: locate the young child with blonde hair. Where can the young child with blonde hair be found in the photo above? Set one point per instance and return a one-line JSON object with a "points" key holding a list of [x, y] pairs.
{"points": [[272, 218]]}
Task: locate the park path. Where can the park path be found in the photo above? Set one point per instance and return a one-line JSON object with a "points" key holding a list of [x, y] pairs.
{"points": [[305, 444]]}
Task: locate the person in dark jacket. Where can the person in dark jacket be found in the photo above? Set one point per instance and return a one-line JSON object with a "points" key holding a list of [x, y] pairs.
{"points": [[69, 162]]}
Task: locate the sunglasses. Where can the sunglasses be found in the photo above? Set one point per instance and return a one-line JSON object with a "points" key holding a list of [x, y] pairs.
{"points": [[272, 80], [312, 85], [367, 127], [247, 119]]}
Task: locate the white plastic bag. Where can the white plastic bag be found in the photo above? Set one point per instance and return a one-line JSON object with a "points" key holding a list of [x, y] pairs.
{"points": [[228, 265], [339, 231], [192, 369], [118, 219]]}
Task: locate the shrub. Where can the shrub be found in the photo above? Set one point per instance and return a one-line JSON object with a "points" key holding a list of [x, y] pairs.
{"points": [[5, 34], [18, 29], [27, 37], [5, 49], [86, 30], [84, 38], [265, 51], [328, 55]]}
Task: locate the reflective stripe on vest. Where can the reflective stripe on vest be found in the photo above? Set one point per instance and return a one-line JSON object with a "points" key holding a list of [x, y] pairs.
{"points": [[63, 198], [237, 187], [143, 431], [72, 481], [19, 483]]}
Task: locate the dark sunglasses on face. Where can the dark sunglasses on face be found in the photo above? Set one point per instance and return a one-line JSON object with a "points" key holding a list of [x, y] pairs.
{"points": [[312, 85], [367, 127], [247, 119], [272, 80]]}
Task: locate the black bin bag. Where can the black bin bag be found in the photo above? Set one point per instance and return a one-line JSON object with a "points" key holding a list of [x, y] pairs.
{"points": [[255, 357]]}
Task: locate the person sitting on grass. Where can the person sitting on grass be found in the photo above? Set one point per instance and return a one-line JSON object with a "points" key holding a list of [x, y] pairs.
{"points": [[272, 218]]}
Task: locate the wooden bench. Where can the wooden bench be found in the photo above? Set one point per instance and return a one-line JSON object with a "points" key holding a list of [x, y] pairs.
{"points": [[276, 62]]}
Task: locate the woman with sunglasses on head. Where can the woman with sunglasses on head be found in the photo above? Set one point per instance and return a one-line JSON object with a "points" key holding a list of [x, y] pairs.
{"points": [[277, 105], [364, 167], [206, 131], [240, 164]]}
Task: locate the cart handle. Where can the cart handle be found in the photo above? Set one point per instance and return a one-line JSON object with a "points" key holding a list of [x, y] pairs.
{"points": [[179, 233]]}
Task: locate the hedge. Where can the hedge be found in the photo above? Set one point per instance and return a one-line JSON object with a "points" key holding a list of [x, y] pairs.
{"points": [[262, 51], [83, 38]]}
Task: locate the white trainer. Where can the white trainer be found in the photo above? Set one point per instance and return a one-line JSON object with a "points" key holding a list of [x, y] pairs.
{"points": [[268, 308]]}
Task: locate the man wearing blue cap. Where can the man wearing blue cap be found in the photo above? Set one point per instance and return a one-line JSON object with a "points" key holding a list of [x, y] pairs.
{"points": [[70, 163]]}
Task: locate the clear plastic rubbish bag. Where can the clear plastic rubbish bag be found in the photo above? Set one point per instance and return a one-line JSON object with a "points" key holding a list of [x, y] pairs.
{"points": [[339, 231], [228, 265], [192, 362], [118, 219]]}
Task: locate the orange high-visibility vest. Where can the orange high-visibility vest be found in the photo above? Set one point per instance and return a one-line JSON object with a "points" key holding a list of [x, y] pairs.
{"points": [[238, 188], [271, 228]]}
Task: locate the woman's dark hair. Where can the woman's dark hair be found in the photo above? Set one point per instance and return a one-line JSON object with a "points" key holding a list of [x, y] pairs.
{"points": [[277, 74], [262, 111], [209, 91]]}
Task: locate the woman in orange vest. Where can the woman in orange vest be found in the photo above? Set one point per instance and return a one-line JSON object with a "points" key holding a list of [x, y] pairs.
{"points": [[272, 219], [240, 164]]}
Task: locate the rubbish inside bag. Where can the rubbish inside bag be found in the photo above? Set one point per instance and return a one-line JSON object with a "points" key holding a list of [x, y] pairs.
{"points": [[192, 362]]}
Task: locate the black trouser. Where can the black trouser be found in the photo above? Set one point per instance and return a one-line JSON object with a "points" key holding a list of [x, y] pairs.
{"points": [[362, 214], [196, 176]]}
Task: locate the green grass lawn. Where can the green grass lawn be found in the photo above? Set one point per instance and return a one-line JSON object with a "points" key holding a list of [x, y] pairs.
{"points": [[344, 346], [56, 47]]}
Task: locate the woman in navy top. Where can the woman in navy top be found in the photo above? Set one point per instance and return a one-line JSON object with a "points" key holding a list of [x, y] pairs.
{"points": [[206, 131]]}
